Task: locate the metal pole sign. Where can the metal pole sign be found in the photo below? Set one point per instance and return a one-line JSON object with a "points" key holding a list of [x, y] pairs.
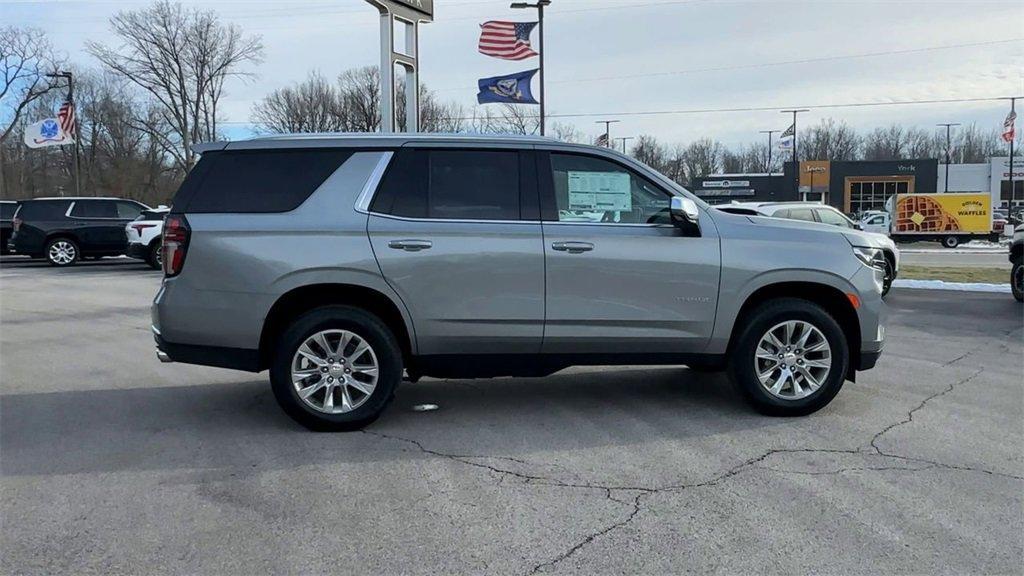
{"points": [[407, 13]]}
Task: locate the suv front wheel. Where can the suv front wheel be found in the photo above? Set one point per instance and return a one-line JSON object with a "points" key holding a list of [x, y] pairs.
{"points": [[336, 368], [791, 358], [62, 252]]}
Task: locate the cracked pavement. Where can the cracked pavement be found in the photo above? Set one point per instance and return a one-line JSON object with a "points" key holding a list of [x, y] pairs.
{"points": [[114, 463]]}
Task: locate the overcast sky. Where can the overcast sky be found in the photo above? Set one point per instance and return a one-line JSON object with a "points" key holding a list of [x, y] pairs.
{"points": [[613, 56]]}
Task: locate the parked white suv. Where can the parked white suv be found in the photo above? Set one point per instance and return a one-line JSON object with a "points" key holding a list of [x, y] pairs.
{"points": [[144, 235], [825, 214]]}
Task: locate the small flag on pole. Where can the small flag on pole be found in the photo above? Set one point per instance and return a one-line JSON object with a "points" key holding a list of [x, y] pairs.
{"points": [[66, 116], [509, 89], [602, 140], [1009, 130], [787, 137], [506, 40]]}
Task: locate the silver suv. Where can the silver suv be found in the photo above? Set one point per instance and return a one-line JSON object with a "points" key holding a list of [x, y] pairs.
{"points": [[343, 263]]}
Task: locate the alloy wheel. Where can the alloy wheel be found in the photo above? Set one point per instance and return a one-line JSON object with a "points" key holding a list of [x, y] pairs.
{"points": [[334, 371], [792, 360], [62, 252]]}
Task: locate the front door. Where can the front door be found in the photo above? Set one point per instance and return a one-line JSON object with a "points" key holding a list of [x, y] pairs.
{"points": [[457, 235], [620, 277]]}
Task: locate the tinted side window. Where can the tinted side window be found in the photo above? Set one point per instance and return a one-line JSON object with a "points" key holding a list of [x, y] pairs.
{"points": [[781, 214], [257, 180], [43, 210], [589, 189], [128, 210], [94, 209], [451, 184], [478, 185], [7, 210]]}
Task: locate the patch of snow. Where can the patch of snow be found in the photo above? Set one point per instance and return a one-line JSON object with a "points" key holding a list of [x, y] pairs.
{"points": [[943, 285]]}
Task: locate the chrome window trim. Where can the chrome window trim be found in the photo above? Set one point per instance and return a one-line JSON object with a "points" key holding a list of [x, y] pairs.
{"points": [[617, 224], [369, 190], [72, 207], [453, 220]]}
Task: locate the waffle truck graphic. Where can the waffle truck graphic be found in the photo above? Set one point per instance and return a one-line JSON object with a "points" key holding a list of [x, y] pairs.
{"points": [[951, 217]]}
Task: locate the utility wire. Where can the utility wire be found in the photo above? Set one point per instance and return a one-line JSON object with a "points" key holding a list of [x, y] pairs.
{"points": [[738, 109]]}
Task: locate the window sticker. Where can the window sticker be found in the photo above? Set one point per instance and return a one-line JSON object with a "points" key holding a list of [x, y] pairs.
{"points": [[603, 191]]}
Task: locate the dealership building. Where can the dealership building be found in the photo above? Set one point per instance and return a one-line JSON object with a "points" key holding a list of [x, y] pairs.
{"points": [[856, 186]]}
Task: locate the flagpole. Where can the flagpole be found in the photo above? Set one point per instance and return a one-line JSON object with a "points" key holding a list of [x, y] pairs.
{"points": [[796, 165], [540, 25], [1013, 195], [71, 98], [768, 167]]}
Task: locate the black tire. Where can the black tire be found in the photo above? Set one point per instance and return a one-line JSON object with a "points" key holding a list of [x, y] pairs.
{"points": [[890, 275], [153, 258], [951, 241], [366, 326], [1017, 280], [756, 325], [62, 252]]}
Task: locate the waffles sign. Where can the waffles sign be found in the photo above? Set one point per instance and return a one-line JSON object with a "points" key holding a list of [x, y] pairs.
{"points": [[938, 213]]}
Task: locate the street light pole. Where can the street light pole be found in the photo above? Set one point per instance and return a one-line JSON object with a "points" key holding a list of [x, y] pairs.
{"points": [[624, 139], [539, 5], [768, 167], [948, 125], [71, 99], [607, 131], [796, 165]]}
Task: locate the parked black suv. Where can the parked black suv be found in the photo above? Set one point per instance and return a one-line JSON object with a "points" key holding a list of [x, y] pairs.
{"points": [[7, 210], [62, 230]]}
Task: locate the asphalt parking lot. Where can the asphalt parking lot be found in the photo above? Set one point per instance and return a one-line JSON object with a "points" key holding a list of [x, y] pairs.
{"points": [[114, 463]]}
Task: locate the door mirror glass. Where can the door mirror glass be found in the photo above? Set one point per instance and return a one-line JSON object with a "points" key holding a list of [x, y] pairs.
{"points": [[685, 213]]}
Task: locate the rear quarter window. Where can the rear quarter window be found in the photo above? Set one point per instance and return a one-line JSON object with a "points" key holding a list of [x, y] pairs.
{"points": [[7, 210], [43, 210], [257, 180]]}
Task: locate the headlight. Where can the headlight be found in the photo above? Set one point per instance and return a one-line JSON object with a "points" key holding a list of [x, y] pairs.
{"points": [[873, 257]]}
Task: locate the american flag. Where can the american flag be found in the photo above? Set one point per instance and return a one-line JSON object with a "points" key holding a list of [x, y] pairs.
{"points": [[507, 40], [602, 140], [66, 117], [1008, 128]]}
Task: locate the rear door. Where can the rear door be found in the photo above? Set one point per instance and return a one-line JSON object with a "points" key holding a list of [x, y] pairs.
{"points": [[457, 235], [91, 221], [620, 277]]}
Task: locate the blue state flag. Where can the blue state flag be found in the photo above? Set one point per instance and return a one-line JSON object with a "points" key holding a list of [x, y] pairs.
{"points": [[511, 88]]}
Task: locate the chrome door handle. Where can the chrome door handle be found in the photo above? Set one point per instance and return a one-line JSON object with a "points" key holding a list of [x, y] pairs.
{"points": [[573, 247], [410, 245]]}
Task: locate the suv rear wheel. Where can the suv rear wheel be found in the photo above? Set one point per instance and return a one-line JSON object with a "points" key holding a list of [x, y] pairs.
{"points": [[336, 368], [791, 358], [62, 252], [154, 257]]}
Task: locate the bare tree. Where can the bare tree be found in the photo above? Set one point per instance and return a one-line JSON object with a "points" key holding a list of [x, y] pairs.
{"points": [[565, 132], [702, 157], [828, 140], [649, 151], [182, 59], [885, 143], [732, 162], [313, 105], [26, 57]]}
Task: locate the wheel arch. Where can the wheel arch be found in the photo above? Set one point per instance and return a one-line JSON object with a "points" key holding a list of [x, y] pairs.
{"points": [[830, 298], [304, 298]]}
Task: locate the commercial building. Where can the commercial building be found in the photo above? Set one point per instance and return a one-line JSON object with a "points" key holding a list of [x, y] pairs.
{"points": [[992, 177], [850, 186]]}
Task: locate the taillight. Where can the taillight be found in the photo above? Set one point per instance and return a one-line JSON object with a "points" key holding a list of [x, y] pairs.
{"points": [[16, 223], [175, 244]]}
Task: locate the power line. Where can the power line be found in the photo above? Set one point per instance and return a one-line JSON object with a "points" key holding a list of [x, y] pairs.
{"points": [[741, 109]]}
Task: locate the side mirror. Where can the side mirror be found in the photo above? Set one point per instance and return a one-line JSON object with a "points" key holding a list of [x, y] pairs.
{"points": [[685, 214], [858, 225]]}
